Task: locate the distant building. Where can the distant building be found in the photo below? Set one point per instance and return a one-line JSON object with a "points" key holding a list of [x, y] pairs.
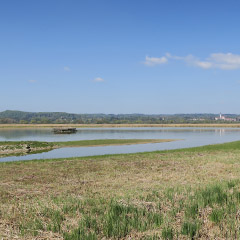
{"points": [[223, 118]]}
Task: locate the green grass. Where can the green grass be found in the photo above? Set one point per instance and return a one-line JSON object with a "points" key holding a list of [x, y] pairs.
{"points": [[178, 194], [115, 219]]}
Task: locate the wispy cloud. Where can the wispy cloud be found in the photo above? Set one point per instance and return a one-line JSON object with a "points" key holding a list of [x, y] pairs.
{"points": [[67, 69], [98, 79], [152, 61], [32, 81], [224, 61]]}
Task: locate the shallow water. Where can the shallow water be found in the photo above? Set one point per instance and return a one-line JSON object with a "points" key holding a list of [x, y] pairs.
{"points": [[191, 137]]}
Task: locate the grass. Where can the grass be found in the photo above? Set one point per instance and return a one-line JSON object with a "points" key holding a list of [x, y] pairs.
{"points": [[176, 194], [23, 147], [109, 142]]}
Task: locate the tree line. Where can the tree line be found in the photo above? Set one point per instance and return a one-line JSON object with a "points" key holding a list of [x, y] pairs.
{"points": [[16, 117]]}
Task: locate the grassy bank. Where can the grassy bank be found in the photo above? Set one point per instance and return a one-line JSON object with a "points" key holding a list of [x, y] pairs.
{"points": [[9, 126], [109, 142], [181, 194], [25, 147]]}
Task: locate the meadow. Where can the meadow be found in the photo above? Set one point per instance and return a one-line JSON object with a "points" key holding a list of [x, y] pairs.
{"points": [[177, 194]]}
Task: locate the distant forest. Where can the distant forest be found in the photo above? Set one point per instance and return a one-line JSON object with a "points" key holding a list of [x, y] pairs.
{"points": [[11, 117]]}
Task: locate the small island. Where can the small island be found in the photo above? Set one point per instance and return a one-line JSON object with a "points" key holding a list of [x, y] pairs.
{"points": [[11, 148]]}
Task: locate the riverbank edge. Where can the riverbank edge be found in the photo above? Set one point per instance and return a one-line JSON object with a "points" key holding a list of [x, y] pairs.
{"points": [[37, 126]]}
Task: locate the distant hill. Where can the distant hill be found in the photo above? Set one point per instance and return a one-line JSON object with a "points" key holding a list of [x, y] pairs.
{"points": [[10, 116]]}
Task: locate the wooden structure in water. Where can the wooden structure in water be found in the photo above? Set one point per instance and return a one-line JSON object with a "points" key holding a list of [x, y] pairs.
{"points": [[64, 130]]}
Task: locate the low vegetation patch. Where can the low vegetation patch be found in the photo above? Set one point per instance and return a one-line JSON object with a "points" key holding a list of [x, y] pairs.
{"points": [[24, 147]]}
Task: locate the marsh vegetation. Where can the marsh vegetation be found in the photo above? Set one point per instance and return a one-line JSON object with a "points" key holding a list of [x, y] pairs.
{"points": [[178, 194]]}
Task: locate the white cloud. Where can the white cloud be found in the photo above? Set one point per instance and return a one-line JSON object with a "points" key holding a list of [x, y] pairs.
{"points": [[152, 61], [224, 61], [203, 64], [98, 79], [32, 81], [67, 69]]}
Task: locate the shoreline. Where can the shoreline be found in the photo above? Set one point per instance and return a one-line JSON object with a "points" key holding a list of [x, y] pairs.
{"points": [[235, 145], [37, 126]]}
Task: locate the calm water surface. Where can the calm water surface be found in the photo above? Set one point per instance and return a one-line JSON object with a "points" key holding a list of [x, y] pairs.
{"points": [[191, 137]]}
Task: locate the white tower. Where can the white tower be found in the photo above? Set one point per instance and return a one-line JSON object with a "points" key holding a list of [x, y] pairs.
{"points": [[220, 116]]}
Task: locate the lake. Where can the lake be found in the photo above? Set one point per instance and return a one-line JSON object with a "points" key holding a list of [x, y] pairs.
{"points": [[188, 137]]}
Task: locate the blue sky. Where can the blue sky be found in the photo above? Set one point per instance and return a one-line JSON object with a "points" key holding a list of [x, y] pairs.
{"points": [[128, 56]]}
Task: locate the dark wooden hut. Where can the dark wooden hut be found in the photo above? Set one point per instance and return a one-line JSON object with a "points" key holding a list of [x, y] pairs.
{"points": [[64, 130]]}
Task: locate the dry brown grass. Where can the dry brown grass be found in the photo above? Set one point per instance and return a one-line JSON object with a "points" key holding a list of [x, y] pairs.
{"points": [[111, 174]]}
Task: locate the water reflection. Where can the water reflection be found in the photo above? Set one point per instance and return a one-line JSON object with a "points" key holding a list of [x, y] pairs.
{"points": [[107, 133]]}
